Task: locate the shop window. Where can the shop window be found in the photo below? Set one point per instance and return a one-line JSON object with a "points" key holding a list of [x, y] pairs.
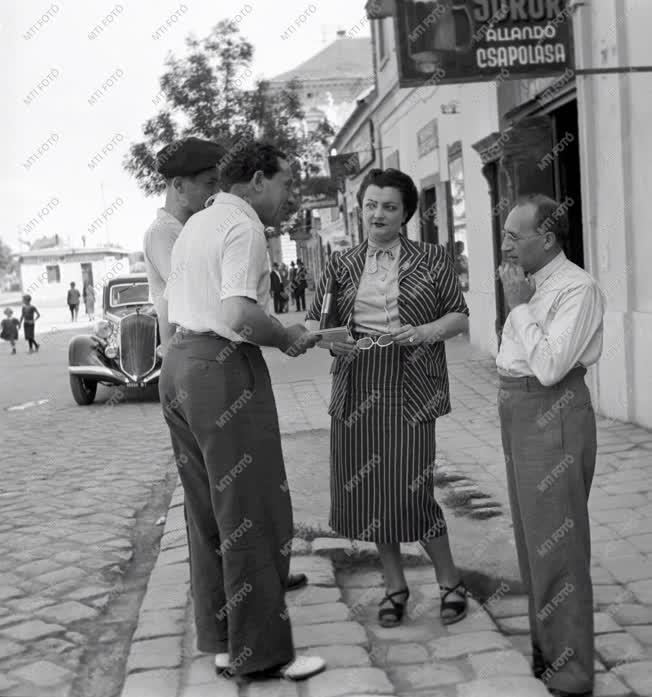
{"points": [[54, 274], [456, 175], [428, 215]]}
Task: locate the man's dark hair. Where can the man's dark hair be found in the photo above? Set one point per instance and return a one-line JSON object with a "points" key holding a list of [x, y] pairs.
{"points": [[397, 180], [549, 216], [243, 160]]}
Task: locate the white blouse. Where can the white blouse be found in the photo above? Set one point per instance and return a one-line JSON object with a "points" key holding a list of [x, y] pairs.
{"points": [[376, 303]]}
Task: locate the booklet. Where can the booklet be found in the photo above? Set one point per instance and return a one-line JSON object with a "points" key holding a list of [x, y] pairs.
{"points": [[332, 334]]}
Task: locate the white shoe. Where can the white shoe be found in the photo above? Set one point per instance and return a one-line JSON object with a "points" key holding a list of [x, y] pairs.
{"points": [[222, 663], [302, 667]]}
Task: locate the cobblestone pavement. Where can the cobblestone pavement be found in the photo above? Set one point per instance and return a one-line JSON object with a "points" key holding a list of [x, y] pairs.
{"points": [[484, 655], [73, 483]]}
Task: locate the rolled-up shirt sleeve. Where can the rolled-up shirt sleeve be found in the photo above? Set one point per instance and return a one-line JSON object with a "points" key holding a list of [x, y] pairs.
{"points": [[577, 317], [244, 261]]}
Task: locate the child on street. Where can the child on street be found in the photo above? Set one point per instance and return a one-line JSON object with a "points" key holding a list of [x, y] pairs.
{"points": [[9, 328], [28, 318]]}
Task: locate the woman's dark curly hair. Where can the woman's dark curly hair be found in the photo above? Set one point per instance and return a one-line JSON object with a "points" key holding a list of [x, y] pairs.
{"points": [[397, 180]]}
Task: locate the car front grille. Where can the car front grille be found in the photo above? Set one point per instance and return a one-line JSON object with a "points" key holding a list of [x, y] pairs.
{"points": [[137, 345]]}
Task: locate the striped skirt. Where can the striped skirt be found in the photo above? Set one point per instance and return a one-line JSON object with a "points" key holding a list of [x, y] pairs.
{"points": [[382, 465]]}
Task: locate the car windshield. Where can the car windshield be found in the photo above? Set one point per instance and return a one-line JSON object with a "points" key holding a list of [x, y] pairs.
{"points": [[129, 294]]}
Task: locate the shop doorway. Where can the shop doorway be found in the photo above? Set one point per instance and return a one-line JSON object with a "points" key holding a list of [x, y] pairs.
{"points": [[567, 176], [558, 131], [428, 214]]}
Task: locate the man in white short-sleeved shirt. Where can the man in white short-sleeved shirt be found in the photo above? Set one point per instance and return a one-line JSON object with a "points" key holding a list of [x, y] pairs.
{"points": [[233, 264], [219, 406], [190, 170]]}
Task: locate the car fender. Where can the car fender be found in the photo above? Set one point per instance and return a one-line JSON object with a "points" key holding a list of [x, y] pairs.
{"points": [[83, 350]]}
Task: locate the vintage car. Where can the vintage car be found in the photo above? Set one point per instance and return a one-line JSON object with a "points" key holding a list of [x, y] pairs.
{"points": [[124, 347]]}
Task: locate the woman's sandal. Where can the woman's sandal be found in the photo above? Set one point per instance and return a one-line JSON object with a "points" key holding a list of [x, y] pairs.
{"points": [[392, 616], [459, 607]]}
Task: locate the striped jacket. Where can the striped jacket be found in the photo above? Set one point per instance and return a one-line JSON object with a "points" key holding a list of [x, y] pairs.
{"points": [[428, 290]]}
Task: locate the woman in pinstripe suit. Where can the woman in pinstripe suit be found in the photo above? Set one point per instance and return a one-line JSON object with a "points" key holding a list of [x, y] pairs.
{"points": [[400, 299]]}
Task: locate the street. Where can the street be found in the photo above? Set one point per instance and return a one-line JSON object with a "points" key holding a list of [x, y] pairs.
{"points": [[84, 487], [81, 490]]}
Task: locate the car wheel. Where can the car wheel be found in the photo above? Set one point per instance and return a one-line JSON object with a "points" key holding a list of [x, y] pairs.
{"points": [[83, 390]]}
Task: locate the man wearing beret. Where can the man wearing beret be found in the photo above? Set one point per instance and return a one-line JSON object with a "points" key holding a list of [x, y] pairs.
{"points": [[191, 177]]}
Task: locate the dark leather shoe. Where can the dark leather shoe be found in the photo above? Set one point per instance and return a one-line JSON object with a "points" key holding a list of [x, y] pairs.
{"points": [[296, 581], [561, 693]]}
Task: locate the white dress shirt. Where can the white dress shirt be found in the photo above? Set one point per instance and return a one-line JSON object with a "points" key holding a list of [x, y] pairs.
{"points": [[220, 253], [157, 245], [558, 329]]}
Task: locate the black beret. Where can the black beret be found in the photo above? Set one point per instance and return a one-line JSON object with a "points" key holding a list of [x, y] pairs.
{"points": [[186, 157]]}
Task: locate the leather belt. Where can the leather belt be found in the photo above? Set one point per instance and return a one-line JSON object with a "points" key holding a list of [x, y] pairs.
{"points": [[191, 332]]}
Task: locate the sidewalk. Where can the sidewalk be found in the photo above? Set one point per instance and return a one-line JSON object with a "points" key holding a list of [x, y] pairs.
{"points": [[486, 654]]}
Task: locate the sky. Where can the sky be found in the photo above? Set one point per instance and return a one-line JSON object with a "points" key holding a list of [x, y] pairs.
{"points": [[70, 92]]}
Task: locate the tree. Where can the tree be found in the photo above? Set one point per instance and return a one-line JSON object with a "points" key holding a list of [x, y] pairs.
{"points": [[7, 264], [204, 96]]}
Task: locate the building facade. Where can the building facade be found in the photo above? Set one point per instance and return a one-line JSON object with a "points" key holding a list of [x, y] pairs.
{"points": [[46, 274], [580, 137]]}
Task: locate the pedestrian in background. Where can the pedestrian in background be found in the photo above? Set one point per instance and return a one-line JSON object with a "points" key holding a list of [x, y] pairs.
{"points": [[293, 275], [89, 301], [73, 301], [300, 285], [401, 300], [285, 293], [276, 288], [552, 333], [9, 329], [28, 318]]}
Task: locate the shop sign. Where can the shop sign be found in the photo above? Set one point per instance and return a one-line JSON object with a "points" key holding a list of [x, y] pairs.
{"points": [[427, 138], [318, 192], [345, 165], [453, 41]]}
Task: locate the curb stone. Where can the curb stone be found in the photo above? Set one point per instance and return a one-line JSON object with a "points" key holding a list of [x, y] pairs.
{"points": [[155, 656]]}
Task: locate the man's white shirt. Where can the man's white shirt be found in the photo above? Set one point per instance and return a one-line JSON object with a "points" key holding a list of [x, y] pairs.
{"points": [[220, 253], [157, 245], [559, 328]]}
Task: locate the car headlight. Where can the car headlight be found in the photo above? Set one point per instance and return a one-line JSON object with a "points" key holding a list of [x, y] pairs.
{"points": [[103, 329], [111, 352]]}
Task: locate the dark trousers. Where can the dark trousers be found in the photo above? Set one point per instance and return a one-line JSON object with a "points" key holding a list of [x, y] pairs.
{"points": [[300, 299], [549, 439], [218, 402], [279, 303], [28, 328]]}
